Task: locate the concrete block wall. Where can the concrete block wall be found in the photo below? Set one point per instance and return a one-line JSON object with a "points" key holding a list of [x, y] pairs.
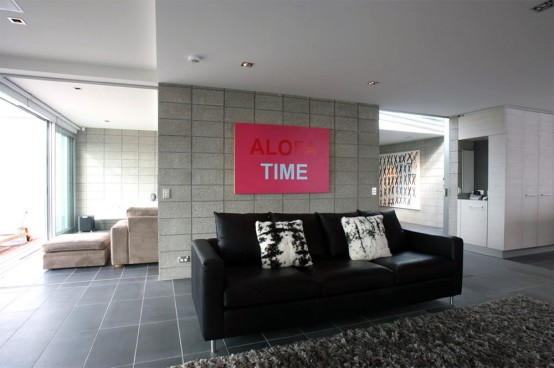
{"points": [[431, 181], [455, 157], [115, 169], [195, 153]]}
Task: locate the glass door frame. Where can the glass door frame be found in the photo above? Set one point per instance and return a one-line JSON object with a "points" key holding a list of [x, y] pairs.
{"points": [[53, 130]]}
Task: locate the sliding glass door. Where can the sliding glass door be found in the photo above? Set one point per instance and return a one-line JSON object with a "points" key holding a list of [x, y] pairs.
{"points": [[64, 182], [23, 172], [37, 166]]}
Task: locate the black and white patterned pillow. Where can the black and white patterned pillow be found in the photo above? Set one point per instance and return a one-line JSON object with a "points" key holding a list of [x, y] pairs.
{"points": [[283, 244], [366, 237]]}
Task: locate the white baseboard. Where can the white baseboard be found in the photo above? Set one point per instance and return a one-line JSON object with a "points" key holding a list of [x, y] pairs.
{"points": [[507, 253]]}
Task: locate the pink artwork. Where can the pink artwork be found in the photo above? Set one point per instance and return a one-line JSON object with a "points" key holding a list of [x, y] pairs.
{"points": [[281, 159]]}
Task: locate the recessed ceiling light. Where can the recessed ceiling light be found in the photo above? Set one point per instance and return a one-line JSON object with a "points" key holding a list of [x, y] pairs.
{"points": [[18, 21], [247, 64], [372, 83], [542, 7]]}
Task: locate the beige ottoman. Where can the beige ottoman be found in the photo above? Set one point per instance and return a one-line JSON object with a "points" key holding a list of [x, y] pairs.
{"points": [[77, 250]]}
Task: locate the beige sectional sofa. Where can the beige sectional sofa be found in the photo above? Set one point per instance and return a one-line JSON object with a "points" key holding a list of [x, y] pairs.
{"points": [[135, 239], [77, 250]]}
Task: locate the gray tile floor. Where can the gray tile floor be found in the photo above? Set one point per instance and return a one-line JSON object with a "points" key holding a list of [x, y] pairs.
{"points": [[103, 317]]}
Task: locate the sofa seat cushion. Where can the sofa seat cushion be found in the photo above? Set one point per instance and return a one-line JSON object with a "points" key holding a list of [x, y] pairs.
{"points": [[339, 276], [413, 266], [98, 240], [253, 285]]}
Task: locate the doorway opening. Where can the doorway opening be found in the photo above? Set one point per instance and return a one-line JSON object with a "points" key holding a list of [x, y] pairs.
{"points": [[24, 209], [413, 169]]}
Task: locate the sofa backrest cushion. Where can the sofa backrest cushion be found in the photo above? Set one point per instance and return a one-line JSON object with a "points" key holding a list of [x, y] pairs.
{"points": [[142, 211], [393, 230], [313, 230], [336, 240], [237, 239]]}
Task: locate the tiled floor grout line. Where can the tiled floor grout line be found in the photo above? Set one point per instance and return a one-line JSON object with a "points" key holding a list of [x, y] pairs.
{"points": [[152, 361], [100, 325], [26, 290], [265, 338], [140, 317], [178, 325], [27, 287], [304, 334], [335, 326], [224, 344], [29, 304], [26, 319], [66, 317]]}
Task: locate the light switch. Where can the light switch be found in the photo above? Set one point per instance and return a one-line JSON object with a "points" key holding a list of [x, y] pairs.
{"points": [[373, 191], [166, 193]]}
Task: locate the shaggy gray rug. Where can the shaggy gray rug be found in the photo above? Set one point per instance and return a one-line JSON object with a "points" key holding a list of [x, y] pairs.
{"points": [[510, 332]]}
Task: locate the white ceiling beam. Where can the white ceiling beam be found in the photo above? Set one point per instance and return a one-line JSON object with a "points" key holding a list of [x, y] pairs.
{"points": [[24, 99], [14, 65]]}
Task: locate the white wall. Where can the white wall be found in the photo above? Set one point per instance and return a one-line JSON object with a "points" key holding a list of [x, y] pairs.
{"points": [[115, 169]]}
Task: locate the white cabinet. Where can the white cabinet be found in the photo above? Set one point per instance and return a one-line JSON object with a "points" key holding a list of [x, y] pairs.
{"points": [[472, 222], [530, 175], [530, 178], [545, 199], [521, 175]]}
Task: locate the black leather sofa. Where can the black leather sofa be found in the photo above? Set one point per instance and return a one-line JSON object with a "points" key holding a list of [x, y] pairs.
{"points": [[233, 295]]}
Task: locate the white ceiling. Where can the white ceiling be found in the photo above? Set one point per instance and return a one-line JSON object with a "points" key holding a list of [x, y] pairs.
{"points": [[97, 106], [394, 136], [399, 127], [431, 57], [111, 44], [108, 40]]}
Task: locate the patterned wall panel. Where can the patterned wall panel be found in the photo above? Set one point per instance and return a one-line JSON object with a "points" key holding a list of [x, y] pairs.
{"points": [[399, 180]]}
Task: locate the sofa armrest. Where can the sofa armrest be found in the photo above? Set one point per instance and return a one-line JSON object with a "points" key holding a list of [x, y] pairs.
{"points": [[440, 245], [450, 247], [207, 287], [119, 243], [143, 239]]}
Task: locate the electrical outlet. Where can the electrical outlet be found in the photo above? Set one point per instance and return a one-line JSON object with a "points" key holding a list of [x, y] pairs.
{"points": [[166, 193], [373, 191], [184, 259]]}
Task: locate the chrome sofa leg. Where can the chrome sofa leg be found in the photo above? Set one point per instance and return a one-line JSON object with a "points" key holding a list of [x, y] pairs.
{"points": [[213, 346], [451, 301]]}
